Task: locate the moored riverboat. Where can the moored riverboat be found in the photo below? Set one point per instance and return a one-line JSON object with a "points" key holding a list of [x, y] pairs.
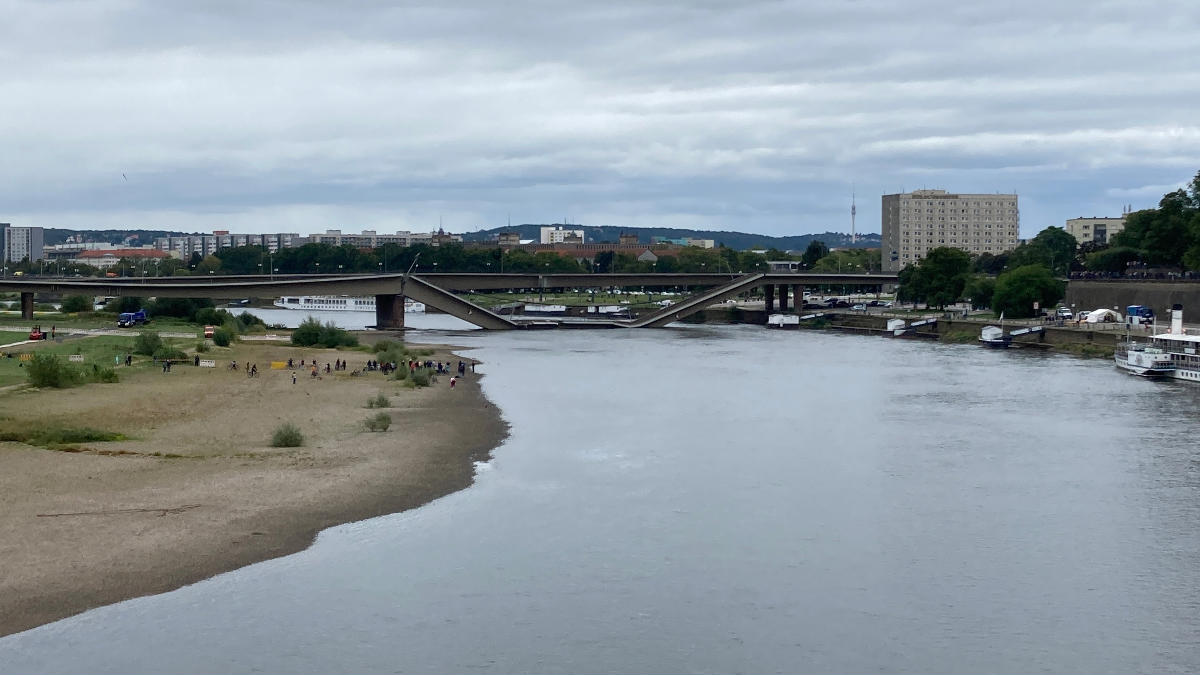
{"points": [[1170, 355], [993, 336], [338, 303]]}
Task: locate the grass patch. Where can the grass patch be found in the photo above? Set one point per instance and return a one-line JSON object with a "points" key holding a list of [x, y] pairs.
{"points": [[55, 437], [287, 435], [1086, 349], [379, 401], [8, 337]]}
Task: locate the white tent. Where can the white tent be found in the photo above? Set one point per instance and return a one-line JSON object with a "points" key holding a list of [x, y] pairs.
{"points": [[1103, 316]]}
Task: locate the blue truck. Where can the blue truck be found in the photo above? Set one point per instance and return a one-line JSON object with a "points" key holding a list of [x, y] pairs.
{"points": [[1138, 314], [132, 318]]}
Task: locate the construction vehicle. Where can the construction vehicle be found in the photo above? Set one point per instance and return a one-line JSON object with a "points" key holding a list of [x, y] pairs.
{"points": [[37, 334]]}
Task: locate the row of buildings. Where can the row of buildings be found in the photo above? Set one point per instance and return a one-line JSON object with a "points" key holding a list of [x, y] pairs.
{"points": [[913, 223]]}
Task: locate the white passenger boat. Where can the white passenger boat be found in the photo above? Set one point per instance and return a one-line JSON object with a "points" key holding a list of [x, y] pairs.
{"points": [[338, 303], [1167, 355]]}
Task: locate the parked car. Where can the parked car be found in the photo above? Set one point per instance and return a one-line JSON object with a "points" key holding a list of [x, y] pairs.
{"points": [[859, 308]]}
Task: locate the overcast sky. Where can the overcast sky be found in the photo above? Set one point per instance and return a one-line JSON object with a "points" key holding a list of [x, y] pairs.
{"points": [[755, 116]]}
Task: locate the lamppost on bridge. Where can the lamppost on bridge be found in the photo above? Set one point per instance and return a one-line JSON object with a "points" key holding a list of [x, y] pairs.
{"points": [[318, 267]]}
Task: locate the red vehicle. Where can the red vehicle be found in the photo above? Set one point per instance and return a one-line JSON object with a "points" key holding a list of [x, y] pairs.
{"points": [[37, 334]]}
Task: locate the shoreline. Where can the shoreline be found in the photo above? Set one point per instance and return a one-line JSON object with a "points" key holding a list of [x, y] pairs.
{"points": [[79, 530]]}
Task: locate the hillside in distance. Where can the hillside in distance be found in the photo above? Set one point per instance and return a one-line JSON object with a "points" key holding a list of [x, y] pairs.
{"points": [[740, 241]]}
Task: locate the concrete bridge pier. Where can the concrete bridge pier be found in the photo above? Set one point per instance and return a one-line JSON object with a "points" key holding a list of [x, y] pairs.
{"points": [[769, 294], [26, 305], [783, 297], [798, 296], [389, 312]]}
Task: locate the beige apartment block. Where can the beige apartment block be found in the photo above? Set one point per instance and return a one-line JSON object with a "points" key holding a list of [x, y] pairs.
{"points": [[916, 222], [1099, 230]]}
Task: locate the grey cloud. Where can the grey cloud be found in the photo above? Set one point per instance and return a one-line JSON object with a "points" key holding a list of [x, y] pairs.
{"points": [[729, 115]]}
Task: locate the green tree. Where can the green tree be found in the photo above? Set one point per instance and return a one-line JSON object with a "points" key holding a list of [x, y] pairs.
{"points": [[980, 290], [815, 251], [1017, 291], [1111, 259], [938, 279], [77, 303]]}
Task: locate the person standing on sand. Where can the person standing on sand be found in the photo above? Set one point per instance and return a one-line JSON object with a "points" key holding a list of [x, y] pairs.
{"points": [[293, 377], [453, 380]]}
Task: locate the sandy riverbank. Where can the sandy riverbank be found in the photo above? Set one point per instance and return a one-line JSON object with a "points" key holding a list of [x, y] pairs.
{"points": [[80, 530]]}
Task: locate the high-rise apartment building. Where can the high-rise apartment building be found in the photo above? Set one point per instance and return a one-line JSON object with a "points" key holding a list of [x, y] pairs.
{"points": [[916, 222], [23, 242], [1098, 230]]}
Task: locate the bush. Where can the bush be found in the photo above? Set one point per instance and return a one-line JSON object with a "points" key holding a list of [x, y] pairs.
{"points": [[77, 303], [105, 375], [421, 377], [379, 401], [379, 422], [212, 317], [147, 342], [222, 337], [183, 308], [311, 333], [287, 435], [384, 346], [201, 347], [246, 321], [401, 372], [46, 370], [167, 353]]}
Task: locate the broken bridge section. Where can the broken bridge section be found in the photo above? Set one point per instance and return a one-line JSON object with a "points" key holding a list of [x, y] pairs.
{"points": [[699, 302], [388, 306]]}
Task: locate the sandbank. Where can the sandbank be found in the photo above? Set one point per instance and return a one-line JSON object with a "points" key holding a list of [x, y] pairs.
{"points": [[83, 529]]}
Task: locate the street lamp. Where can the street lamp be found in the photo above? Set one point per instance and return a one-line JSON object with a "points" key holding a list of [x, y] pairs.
{"points": [[318, 267]]}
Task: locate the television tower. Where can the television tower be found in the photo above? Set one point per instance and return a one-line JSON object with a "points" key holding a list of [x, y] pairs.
{"points": [[853, 211]]}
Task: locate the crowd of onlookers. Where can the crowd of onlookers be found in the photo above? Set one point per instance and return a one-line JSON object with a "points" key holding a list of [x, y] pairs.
{"points": [[1150, 275]]}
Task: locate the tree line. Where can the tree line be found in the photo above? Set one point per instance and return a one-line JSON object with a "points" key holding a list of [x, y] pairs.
{"points": [[454, 257]]}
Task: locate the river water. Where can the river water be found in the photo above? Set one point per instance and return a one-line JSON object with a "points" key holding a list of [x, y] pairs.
{"points": [[733, 499]]}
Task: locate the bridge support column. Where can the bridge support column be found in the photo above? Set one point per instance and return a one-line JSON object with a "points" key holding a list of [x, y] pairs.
{"points": [[798, 297], [26, 305], [783, 298], [769, 294], [389, 312]]}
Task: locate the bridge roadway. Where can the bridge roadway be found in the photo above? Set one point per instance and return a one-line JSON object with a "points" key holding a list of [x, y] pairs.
{"points": [[435, 290]]}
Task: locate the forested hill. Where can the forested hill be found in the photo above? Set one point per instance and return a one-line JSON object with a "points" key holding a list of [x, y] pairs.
{"points": [[736, 240]]}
